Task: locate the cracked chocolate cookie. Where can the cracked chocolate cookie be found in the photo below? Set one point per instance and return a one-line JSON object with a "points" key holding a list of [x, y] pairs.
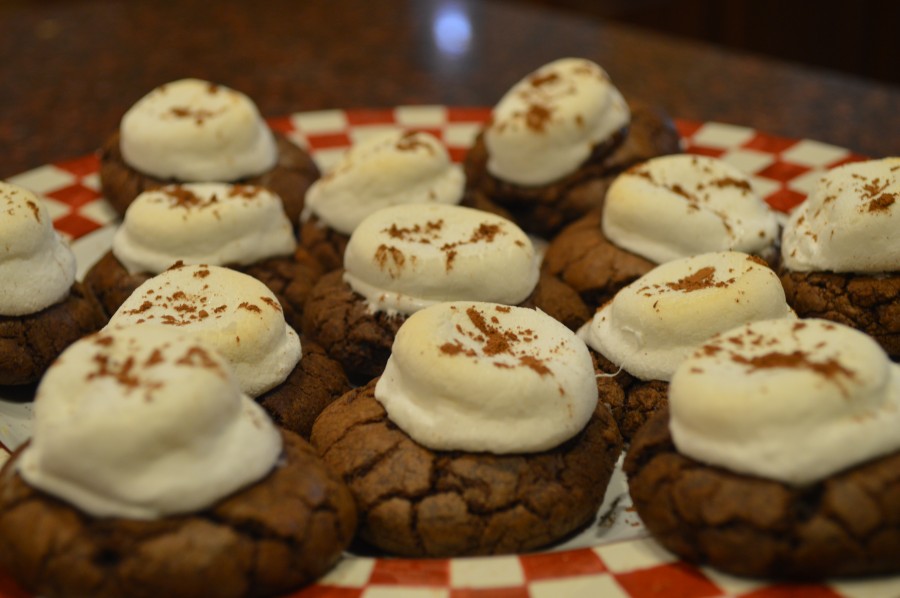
{"points": [[265, 540], [778, 455], [309, 388], [868, 303], [845, 525], [841, 250], [30, 343], [150, 472], [482, 436], [418, 502], [584, 259]]}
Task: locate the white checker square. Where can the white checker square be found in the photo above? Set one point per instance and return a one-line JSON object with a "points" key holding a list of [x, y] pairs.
{"points": [[872, 587], [99, 211], [461, 134], [325, 159], [644, 553], [722, 135], [488, 572], [814, 153], [362, 132], [585, 585], [350, 572], [4, 457], [320, 121], [407, 592], [748, 161], [56, 209], [731, 585], [421, 117], [43, 179], [299, 139], [763, 186], [92, 181], [806, 182]]}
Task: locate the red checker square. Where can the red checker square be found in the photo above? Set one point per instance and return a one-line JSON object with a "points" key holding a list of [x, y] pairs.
{"points": [[370, 117], [80, 167], [467, 114], [785, 200], [769, 143], [282, 124], [328, 141], [457, 154], [74, 195], [687, 128], [517, 592], [551, 565], [75, 225], [782, 171], [676, 579], [700, 150], [847, 160], [10, 589], [327, 592], [793, 591], [411, 572]]}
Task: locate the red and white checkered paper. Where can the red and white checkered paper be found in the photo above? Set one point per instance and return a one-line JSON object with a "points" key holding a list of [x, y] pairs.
{"points": [[782, 170]]}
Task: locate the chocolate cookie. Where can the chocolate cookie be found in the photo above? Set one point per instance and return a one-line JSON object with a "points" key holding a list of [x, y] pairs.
{"points": [[870, 303], [630, 400], [311, 386], [545, 209], [325, 244], [289, 178], [417, 502], [291, 278], [29, 344], [583, 258], [846, 525], [340, 320], [264, 540]]}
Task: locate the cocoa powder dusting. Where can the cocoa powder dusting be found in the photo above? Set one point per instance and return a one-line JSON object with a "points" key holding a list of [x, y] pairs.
{"points": [[704, 278]]}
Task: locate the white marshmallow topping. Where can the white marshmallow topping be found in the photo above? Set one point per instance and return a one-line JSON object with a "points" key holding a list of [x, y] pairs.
{"points": [[142, 423], [209, 223], [193, 131], [479, 377]]}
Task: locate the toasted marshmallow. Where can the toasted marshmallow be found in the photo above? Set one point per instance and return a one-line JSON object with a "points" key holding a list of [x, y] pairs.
{"points": [[385, 170], [192, 130], [233, 313], [793, 401], [654, 323], [143, 423], [477, 377], [404, 258], [37, 268], [202, 223], [849, 223], [680, 205], [549, 123]]}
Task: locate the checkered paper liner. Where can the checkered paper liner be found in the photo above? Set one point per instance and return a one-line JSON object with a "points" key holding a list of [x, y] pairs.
{"points": [[782, 171]]}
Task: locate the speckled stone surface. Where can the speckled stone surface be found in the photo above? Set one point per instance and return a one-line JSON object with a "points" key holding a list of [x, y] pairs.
{"points": [[70, 69]]}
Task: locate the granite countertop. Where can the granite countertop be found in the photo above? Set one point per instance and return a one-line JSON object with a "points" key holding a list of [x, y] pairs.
{"points": [[70, 69]]}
